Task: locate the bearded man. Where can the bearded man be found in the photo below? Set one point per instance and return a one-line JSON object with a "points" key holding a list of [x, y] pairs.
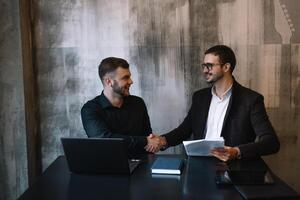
{"points": [[115, 113]]}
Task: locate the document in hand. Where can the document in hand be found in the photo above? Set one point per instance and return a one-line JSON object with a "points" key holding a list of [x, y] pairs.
{"points": [[202, 147], [167, 166]]}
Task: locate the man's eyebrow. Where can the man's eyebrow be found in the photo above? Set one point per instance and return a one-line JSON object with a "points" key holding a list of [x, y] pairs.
{"points": [[126, 76]]}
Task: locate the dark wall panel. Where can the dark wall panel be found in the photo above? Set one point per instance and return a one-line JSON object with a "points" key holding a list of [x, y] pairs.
{"points": [[13, 164]]}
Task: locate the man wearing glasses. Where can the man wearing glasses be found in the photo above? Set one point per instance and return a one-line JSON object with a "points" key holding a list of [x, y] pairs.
{"points": [[228, 110]]}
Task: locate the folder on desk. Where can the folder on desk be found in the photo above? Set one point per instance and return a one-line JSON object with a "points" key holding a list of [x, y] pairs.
{"points": [[275, 191], [167, 166], [202, 147], [253, 179], [244, 177], [245, 172]]}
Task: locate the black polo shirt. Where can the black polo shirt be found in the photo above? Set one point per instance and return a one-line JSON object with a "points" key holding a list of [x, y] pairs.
{"points": [[131, 122]]}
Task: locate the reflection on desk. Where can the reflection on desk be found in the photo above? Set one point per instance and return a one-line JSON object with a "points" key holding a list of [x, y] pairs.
{"points": [[199, 182], [98, 187], [166, 176]]}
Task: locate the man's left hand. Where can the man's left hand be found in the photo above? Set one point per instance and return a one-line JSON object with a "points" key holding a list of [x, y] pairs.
{"points": [[226, 153]]}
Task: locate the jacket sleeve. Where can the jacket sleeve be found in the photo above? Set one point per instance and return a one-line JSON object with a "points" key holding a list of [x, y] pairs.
{"points": [[95, 126], [267, 141]]}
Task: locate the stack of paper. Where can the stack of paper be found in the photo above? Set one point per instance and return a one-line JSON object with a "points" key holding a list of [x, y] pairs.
{"points": [[202, 147]]}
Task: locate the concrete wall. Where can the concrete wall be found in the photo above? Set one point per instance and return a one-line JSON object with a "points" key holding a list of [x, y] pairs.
{"points": [[164, 42], [13, 164]]}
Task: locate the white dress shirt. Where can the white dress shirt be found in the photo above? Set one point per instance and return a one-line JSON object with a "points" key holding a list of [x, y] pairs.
{"points": [[216, 114]]}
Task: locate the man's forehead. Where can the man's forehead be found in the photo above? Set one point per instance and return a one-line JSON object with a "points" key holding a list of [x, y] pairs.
{"points": [[211, 56]]}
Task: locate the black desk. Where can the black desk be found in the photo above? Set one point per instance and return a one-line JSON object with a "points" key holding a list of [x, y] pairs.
{"points": [[196, 182]]}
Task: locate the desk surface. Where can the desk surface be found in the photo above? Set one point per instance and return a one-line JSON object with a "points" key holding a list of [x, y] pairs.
{"points": [[196, 182]]}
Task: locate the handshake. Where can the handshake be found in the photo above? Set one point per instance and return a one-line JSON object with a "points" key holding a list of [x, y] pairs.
{"points": [[155, 143]]}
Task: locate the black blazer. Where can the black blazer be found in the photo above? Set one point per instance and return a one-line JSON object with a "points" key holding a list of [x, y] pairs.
{"points": [[246, 123]]}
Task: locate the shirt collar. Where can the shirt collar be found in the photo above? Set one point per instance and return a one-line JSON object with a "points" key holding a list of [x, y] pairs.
{"points": [[225, 95], [104, 101]]}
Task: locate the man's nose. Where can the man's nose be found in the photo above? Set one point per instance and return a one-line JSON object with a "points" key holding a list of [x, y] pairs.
{"points": [[130, 81]]}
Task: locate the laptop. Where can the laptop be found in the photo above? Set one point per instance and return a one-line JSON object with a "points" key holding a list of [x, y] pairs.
{"points": [[98, 156]]}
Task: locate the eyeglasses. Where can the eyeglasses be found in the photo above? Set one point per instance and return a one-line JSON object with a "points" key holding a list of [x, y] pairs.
{"points": [[209, 66]]}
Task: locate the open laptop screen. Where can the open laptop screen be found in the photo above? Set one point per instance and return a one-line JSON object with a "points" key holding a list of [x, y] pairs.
{"points": [[96, 155]]}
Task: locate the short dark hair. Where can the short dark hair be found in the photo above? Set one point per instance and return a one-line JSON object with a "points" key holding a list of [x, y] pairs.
{"points": [[110, 64], [225, 54]]}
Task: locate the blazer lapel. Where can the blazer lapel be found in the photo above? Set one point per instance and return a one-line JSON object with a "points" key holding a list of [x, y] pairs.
{"points": [[206, 105], [232, 99]]}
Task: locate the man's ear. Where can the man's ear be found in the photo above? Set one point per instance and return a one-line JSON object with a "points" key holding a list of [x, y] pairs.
{"points": [[226, 67], [108, 81]]}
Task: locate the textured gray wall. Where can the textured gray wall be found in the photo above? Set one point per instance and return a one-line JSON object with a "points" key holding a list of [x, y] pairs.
{"points": [[13, 164], [164, 42]]}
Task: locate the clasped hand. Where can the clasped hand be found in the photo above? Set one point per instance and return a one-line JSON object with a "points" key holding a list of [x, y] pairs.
{"points": [[155, 143]]}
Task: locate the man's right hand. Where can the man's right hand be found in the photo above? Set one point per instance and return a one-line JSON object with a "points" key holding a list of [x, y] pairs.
{"points": [[155, 143]]}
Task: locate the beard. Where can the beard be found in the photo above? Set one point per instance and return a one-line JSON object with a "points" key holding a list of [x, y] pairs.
{"points": [[212, 78], [121, 91]]}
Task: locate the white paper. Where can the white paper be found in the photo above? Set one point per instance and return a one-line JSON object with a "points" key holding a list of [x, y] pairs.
{"points": [[202, 147]]}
